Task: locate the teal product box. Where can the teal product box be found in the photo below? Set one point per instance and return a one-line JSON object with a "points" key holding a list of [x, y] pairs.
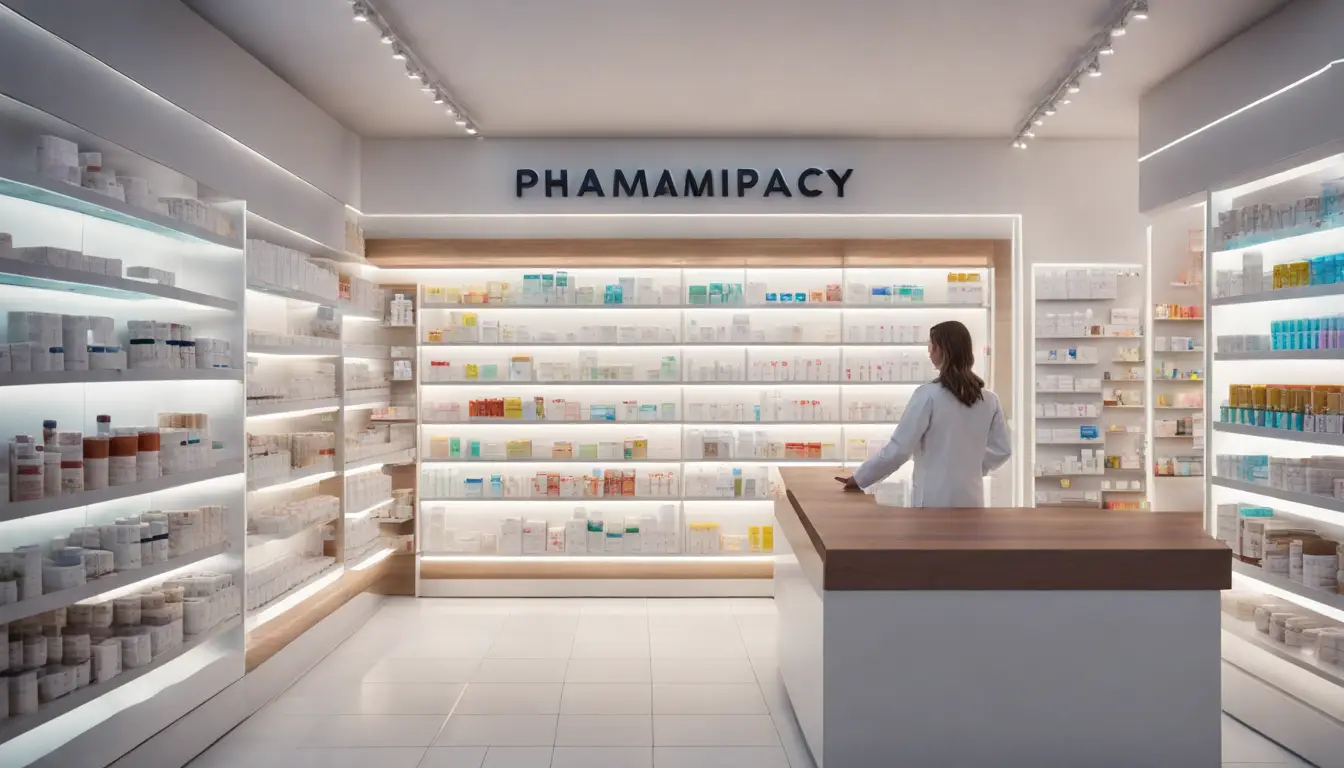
{"points": [[800, 297], [474, 449]]}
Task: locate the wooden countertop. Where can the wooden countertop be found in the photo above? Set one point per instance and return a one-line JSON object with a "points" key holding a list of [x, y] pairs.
{"points": [[845, 541]]}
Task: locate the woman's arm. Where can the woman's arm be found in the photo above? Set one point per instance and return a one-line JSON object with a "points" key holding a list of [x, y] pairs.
{"points": [[999, 447], [909, 431]]}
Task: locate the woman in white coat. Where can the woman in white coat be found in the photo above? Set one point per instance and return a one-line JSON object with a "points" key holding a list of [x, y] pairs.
{"points": [[953, 428]]}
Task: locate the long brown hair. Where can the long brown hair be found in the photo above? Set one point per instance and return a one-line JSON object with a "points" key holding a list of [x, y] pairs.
{"points": [[954, 343]]}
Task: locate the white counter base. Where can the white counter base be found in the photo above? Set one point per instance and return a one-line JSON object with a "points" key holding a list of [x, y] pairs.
{"points": [[955, 678]]}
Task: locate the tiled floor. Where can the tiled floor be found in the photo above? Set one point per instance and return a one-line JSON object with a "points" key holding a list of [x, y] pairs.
{"points": [[440, 683]]}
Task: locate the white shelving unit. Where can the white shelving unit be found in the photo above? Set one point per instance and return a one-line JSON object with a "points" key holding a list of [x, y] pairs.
{"points": [[1176, 274], [209, 272], [1311, 689], [834, 332], [1061, 351]]}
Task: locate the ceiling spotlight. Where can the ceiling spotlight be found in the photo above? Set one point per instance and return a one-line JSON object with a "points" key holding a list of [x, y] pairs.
{"points": [[471, 130], [427, 88], [1094, 68], [438, 97], [1019, 144], [414, 75], [1119, 29], [1050, 111], [1107, 48], [398, 53], [387, 38], [1141, 10], [1029, 134], [1073, 87], [461, 121], [1065, 100], [361, 12], [1038, 122], [451, 112]]}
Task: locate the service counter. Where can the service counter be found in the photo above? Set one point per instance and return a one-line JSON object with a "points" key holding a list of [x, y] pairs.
{"points": [[997, 636]]}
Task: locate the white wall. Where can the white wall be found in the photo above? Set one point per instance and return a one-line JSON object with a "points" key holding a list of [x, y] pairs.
{"points": [[207, 87], [1077, 198], [1298, 125]]}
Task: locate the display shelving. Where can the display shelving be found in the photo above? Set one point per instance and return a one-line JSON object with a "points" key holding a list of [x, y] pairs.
{"points": [[837, 317], [208, 270]]}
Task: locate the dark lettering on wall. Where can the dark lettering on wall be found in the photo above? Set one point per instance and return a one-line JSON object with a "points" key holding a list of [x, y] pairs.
{"points": [[561, 181], [591, 184], [746, 179], [802, 182], [840, 180], [527, 179], [703, 189], [629, 186], [777, 184], [554, 182]]}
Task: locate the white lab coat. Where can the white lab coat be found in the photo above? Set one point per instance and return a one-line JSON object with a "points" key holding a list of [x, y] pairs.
{"points": [[954, 447]]}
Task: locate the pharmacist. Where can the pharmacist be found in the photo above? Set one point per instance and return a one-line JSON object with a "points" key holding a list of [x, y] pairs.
{"points": [[953, 428]]}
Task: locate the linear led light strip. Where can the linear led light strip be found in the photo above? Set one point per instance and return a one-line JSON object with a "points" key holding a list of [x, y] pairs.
{"points": [[597, 559], [294, 598], [309, 480], [1251, 582], [366, 512], [364, 13], [294, 414], [139, 586], [374, 559], [1087, 65]]}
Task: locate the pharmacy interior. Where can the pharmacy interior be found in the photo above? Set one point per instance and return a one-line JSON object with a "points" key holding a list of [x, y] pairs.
{"points": [[239, 409]]}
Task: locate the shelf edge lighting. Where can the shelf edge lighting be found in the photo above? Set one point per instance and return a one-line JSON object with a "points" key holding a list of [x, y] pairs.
{"points": [[286, 603], [374, 559], [1292, 597]]}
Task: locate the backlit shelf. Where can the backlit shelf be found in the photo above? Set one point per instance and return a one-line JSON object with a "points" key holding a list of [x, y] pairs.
{"points": [[1298, 657], [1295, 436], [138, 376], [1283, 294], [1306, 499], [284, 408], [21, 509], [78, 281], [290, 293], [1282, 354]]}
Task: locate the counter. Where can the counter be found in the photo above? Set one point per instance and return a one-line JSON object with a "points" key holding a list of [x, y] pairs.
{"points": [[997, 636]]}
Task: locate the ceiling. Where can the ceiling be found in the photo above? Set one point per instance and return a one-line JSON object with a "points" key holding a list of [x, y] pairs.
{"points": [[709, 68]]}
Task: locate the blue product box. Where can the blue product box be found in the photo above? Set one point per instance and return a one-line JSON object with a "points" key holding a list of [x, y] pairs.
{"points": [[771, 297], [800, 297], [1089, 432], [786, 297]]}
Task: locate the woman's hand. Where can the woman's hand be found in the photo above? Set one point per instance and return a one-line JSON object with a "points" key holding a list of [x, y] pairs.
{"points": [[849, 483]]}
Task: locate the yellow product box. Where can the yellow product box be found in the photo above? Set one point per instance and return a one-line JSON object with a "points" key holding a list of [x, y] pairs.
{"points": [[513, 408], [767, 538], [439, 447], [519, 449], [468, 319], [436, 294], [754, 538], [641, 448], [562, 450], [473, 372]]}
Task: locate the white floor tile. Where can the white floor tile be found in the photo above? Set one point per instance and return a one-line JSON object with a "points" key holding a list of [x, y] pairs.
{"points": [[606, 699], [228, 753], [697, 647], [629, 648], [480, 606], [446, 645], [688, 606], [714, 731], [355, 757], [719, 757], [791, 736], [540, 625], [1244, 745], [510, 699], [521, 671], [547, 606], [602, 757], [616, 606], [702, 699], [453, 757], [600, 628], [277, 731], [498, 730], [528, 647], [695, 625], [422, 671], [703, 671], [753, 606], [373, 699], [608, 671], [604, 731], [375, 731], [518, 757]]}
